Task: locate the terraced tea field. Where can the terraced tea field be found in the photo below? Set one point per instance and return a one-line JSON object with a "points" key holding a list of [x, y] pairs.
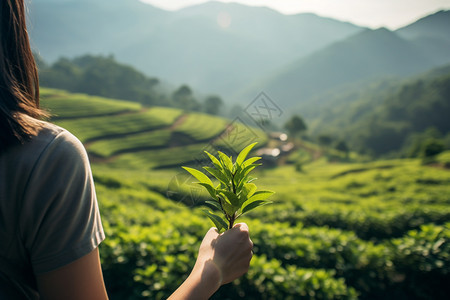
{"points": [[123, 133], [336, 230]]}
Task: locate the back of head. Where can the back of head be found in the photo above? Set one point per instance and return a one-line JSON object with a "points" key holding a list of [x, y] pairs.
{"points": [[19, 84]]}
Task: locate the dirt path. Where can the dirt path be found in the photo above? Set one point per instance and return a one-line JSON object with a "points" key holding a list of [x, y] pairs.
{"points": [[180, 120]]}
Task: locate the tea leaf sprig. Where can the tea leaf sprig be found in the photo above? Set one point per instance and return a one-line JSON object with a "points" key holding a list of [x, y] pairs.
{"points": [[235, 194]]}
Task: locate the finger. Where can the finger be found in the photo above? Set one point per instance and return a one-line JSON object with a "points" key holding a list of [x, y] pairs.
{"points": [[212, 233], [214, 229], [251, 244], [242, 226]]}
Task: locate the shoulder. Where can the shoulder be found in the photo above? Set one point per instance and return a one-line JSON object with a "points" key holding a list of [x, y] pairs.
{"points": [[61, 154], [60, 221], [52, 137], [52, 149], [52, 143]]}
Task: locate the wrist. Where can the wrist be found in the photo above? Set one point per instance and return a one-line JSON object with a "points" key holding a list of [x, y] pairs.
{"points": [[206, 276], [202, 283]]}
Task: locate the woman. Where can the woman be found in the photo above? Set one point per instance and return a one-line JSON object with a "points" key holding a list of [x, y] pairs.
{"points": [[50, 226]]}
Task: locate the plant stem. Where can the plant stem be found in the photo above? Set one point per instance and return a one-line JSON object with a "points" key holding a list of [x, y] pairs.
{"points": [[232, 182], [221, 206], [231, 221]]}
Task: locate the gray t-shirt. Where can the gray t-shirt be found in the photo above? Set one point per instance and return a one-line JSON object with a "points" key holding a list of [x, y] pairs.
{"points": [[48, 209]]}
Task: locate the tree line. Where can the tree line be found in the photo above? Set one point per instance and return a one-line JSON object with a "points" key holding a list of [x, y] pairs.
{"points": [[104, 76], [391, 117], [406, 119]]}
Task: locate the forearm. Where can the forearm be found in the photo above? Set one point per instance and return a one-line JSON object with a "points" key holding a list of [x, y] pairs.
{"points": [[221, 259], [202, 283]]}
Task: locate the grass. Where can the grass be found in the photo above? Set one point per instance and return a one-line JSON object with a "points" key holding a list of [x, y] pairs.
{"points": [[330, 221], [66, 105], [131, 143], [202, 127], [160, 158], [89, 129], [238, 136], [341, 217], [145, 138]]}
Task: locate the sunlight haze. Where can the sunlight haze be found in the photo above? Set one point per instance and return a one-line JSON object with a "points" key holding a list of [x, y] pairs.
{"points": [[392, 14]]}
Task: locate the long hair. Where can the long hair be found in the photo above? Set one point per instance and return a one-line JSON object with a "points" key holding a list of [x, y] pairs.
{"points": [[19, 82]]}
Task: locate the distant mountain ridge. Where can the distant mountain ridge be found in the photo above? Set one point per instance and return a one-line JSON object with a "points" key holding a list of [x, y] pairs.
{"points": [[431, 35], [186, 46], [435, 25], [365, 56], [238, 51], [388, 116]]}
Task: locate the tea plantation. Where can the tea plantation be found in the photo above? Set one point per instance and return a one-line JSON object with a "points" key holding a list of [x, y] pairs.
{"points": [[342, 230]]}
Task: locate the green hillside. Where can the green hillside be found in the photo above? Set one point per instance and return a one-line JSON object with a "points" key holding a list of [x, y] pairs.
{"points": [[256, 41], [120, 132], [388, 117], [63, 105], [375, 230]]}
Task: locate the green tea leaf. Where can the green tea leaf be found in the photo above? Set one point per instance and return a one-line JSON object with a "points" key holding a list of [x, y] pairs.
{"points": [[257, 199], [247, 191], [227, 206], [234, 194], [218, 221], [261, 195], [243, 154], [225, 200], [199, 176], [214, 160], [226, 162], [237, 174], [251, 160], [219, 175], [211, 190], [246, 171], [215, 204], [249, 205], [252, 179], [241, 177], [234, 200]]}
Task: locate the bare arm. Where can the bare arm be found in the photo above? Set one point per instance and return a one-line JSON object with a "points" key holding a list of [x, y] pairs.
{"points": [[81, 279], [221, 259]]}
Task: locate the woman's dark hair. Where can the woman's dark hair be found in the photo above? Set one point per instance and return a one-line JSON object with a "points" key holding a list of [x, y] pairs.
{"points": [[19, 82]]}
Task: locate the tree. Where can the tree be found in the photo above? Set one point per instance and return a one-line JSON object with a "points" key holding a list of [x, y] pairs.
{"points": [[342, 146], [62, 75], [183, 98], [212, 105], [236, 111], [295, 125], [432, 147], [102, 76], [325, 140]]}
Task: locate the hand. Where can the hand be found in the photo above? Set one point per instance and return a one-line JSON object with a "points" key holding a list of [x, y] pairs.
{"points": [[230, 252], [221, 259]]}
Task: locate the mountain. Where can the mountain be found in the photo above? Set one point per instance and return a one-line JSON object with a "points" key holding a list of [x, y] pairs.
{"points": [[214, 47], [434, 25], [430, 34], [71, 28], [364, 56], [390, 115], [238, 51]]}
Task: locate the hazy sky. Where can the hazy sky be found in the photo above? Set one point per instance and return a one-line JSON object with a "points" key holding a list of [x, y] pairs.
{"points": [[370, 13]]}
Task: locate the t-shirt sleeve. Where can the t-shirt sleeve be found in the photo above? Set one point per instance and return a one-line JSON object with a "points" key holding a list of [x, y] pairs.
{"points": [[60, 220]]}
